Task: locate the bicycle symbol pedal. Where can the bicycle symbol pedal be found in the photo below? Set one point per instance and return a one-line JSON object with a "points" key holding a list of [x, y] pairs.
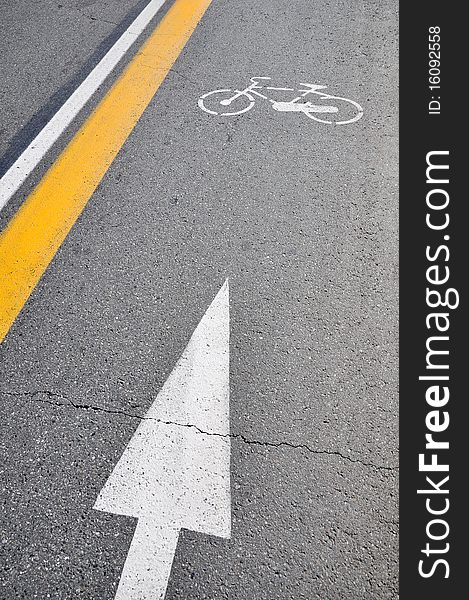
{"points": [[303, 107]]}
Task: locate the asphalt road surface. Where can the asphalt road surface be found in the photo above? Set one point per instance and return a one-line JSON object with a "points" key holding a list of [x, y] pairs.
{"points": [[300, 216]]}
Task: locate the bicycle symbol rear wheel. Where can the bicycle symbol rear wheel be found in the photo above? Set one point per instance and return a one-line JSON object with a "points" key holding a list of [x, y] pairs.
{"points": [[211, 103]]}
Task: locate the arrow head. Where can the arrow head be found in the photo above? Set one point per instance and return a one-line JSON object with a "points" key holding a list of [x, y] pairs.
{"points": [[175, 471]]}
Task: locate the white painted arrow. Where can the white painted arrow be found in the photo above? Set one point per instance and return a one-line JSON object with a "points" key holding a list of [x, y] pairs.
{"points": [[175, 471]]}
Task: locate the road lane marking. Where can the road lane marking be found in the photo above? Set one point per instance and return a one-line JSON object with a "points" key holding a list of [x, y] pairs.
{"points": [[217, 102], [175, 471], [17, 174], [37, 230]]}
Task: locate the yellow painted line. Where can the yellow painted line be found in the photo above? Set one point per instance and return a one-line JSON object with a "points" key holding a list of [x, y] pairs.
{"points": [[37, 230]]}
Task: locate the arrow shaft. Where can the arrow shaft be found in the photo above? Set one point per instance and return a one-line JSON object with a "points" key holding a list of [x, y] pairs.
{"points": [[146, 571]]}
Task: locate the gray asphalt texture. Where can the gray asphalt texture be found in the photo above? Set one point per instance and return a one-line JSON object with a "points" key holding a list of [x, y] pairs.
{"points": [[302, 217]]}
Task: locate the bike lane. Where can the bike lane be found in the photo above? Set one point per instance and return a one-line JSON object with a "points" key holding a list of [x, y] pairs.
{"points": [[302, 218]]}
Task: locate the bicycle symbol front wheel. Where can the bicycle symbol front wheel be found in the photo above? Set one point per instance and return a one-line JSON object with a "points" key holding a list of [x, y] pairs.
{"points": [[349, 111], [221, 102]]}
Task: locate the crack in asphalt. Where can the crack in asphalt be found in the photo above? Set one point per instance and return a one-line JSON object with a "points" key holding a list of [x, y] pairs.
{"points": [[83, 13], [237, 436], [183, 76]]}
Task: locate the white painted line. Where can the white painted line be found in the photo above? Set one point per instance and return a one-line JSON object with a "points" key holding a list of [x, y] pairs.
{"points": [[175, 471], [35, 152]]}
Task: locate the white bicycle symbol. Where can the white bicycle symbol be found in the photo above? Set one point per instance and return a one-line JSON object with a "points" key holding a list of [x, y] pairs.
{"points": [[345, 111]]}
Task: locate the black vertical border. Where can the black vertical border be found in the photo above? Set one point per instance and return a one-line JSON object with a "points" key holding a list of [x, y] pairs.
{"points": [[421, 133]]}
